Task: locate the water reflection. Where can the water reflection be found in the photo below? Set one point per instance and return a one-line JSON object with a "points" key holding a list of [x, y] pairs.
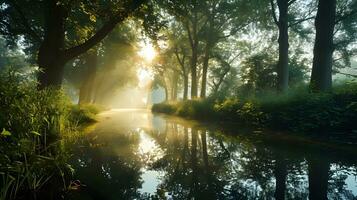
{"points": [[134, 155]]}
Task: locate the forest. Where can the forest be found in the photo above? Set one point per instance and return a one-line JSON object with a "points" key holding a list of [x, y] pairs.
{"points": [[118, 92]]}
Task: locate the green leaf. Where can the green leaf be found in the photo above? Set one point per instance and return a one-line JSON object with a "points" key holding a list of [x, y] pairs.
{"points": [[36, 133], [5, 132]]}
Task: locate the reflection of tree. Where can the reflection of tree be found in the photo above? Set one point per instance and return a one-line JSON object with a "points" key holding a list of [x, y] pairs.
{"points": [[208, 165], [280, 172], [318, 178], [187, 171], [108, 173]]}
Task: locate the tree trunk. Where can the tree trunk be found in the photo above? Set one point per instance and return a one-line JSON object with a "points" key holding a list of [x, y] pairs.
{"points": [[185, 86], [194, 74], [50, 56], [166, 93], [283, 63], [321, 75], [174, 87], [204, 71], [193, 39]]}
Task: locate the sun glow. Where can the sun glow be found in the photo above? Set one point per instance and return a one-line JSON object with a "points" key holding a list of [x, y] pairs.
{"points": [[147, 52]]}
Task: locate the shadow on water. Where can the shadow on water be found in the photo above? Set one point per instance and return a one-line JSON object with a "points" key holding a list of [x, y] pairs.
{"points": [[137, 155]]}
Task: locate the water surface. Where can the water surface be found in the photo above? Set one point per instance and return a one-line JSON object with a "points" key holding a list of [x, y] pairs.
{"points": [[133, 154]]}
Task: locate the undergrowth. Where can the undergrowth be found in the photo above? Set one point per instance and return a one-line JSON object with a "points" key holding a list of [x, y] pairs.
{"points": [[33, 127], [299, 110]]}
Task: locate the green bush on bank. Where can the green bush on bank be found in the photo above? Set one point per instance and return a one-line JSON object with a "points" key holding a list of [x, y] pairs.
{"points": [[299, 110], [83, 114], [33, 124]]}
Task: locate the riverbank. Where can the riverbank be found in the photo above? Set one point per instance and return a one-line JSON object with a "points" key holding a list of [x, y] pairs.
{"points": [[298, 111]]}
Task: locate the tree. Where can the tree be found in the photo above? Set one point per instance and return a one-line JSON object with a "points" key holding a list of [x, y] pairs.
{"points": [[45, 25], [189, 15], [285, 21], [282, 23], [258, 73], [321, 75], [223, 19]]}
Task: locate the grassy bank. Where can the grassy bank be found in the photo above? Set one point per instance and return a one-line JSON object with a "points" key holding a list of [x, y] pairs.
{"points": [[35, 127], [296, 111]]}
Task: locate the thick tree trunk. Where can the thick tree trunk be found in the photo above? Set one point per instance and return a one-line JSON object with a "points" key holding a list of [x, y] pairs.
{"points": [[50, 56], [204, 71], [283, 63], [321, 75]]}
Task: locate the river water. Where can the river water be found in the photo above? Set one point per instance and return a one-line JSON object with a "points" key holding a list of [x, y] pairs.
{"points": [[134, 154]]}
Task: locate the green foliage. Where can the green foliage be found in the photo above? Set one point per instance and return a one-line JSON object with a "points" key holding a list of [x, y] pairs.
{"points": [[258, 72], [83, 114], [32, 121], [298, 110], [197, 109]]}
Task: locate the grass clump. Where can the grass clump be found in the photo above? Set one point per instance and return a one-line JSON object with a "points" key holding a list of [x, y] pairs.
{"points": [[33, 123]]}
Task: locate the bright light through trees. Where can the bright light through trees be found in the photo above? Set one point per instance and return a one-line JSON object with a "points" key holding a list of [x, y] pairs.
{"points": [[147, 52]]}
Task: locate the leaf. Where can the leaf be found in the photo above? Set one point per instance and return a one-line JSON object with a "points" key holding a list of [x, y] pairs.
{"points": [[5, 132], [36, 133]]}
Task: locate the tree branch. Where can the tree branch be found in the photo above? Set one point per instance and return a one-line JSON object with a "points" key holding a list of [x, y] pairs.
{"points": [[273, 12], [341, 18], [352, 75], [102, 32], [296, 22], [189, 34]]}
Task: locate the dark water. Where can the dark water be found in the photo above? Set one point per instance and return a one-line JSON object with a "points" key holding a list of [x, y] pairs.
{"points": [[136, 155]]}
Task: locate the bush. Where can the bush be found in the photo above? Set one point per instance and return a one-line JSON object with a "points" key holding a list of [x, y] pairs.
{"points": [[83, 114], [166, 108]]}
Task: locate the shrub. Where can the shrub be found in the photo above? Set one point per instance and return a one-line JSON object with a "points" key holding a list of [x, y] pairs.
{"points": [[166, 108], [83, 114]]}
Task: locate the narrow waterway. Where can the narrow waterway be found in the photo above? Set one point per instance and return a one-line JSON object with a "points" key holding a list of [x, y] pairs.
{"points": [[134, 154]]}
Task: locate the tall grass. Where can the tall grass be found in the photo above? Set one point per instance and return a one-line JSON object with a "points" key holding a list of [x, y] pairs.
{"points": [[33, 123]]}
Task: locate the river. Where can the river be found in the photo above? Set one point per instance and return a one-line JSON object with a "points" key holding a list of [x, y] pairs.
{"points": [[134, 154]]}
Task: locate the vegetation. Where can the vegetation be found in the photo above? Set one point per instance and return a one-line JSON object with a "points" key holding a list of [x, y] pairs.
{"points": [[36, 125], [282, 64], [296, 111]]}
